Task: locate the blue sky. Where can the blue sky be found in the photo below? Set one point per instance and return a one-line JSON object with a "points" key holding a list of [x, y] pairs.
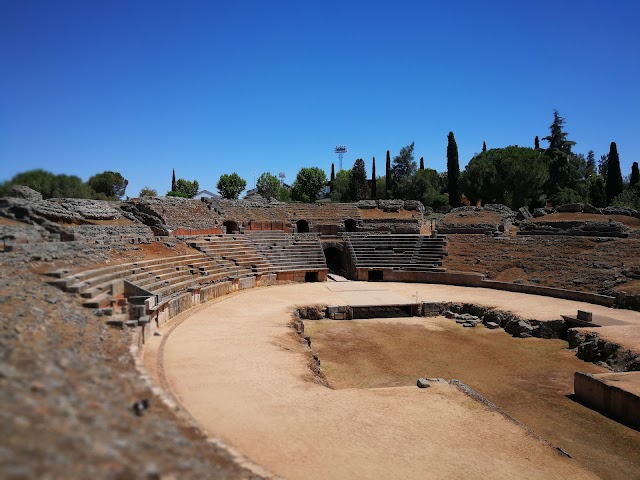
{"points": [[213, 87]]}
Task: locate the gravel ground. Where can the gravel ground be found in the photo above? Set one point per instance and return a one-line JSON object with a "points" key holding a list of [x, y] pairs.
{"points": [[68, 384]]}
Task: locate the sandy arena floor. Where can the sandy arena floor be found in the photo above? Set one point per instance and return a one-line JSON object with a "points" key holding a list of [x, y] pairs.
{"points": [[241, 373]]}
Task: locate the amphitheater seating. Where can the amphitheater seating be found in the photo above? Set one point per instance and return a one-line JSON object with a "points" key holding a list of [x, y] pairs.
{"points": [[163, 277], [234, 248], [289, 252], [406, 252]]}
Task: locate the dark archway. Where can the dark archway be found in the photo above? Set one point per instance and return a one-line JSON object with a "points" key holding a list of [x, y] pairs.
{"points": [[350, 225], [302, 226], [232, 227], [333, 256]]}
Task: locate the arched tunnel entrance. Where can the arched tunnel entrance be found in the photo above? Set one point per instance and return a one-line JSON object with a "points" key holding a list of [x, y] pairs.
{"points": [[302, 226], [232, 227], [335, 262], [350, 225]]}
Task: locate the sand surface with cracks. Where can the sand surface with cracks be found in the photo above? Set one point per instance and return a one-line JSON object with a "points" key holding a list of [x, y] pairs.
{"points": [[237, 368]]}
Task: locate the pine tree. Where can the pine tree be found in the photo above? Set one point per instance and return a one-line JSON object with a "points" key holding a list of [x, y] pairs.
{"points": [[374, 187], [388, 176], [558, 152], [484, 146], [173, 181], [536, 143], [421, 163], [614, 174], [635, 175], [453, 170]]}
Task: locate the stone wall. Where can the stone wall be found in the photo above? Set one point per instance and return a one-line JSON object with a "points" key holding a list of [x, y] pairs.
{"points": [[592, 390], [478, 280]]}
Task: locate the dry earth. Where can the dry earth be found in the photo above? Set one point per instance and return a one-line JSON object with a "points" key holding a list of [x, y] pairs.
{"points": [[530, 379], [236, 368], [68, 383], [577, 263]]}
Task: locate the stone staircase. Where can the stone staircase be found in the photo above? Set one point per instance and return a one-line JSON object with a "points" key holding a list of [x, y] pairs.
{"points": [[101, 287], [234, 248], [289, 252], [405, 252]]}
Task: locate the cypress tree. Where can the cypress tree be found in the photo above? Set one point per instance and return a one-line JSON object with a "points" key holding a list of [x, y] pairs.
{"points": [[333, 177], [374, 186], [421, 163], [536, 143], [453, 170], [635, 175], [387, 185], [614, 174], [173, 181], [484, 146], [358, 182]]}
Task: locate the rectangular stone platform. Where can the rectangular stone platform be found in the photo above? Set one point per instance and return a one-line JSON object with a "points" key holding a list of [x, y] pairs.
{"points": [[616, 395]]}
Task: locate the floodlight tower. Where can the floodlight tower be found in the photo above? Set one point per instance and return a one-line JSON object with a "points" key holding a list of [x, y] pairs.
{"points": [[340, 150]]}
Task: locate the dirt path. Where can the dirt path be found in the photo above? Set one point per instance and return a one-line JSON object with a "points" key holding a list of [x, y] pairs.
{"points": [[530, 379], [240, 372]]}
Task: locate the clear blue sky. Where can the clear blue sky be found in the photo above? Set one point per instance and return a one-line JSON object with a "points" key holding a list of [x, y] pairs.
{"points": [[212, 87]]}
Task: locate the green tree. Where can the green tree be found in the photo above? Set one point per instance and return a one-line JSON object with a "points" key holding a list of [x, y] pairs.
{"points": [[513, 176], [341, 191], [421, 163], [558, 154], [148, 192], [425, 186], [591, 164], [597, 192], [230, 186], [70, 186], [177, 194], [629, 198], [49, 185], [453, 170], [603, 165], [308, 184], [173, 180], [186, 187], [402, 171], [536, 143], [333, 177], [484, 146], [358, 184], [634, 179], [614, 174], [387, 183], [374, 186], [268, 185], [110, 184]]}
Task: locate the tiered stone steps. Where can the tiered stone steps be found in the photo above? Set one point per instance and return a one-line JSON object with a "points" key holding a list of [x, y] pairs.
{"points": [[163, 277], [406, 252], [289, 252], [234, 248]]}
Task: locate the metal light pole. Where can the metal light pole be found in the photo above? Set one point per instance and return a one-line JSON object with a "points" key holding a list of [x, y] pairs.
{"points": [[340, 150]]}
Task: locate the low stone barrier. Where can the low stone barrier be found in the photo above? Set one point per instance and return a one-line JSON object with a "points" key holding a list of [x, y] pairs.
{"points": [[595, 392], [478, 280]]}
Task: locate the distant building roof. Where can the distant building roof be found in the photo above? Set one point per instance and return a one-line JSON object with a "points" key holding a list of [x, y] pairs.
{"points": [[206, 194]]}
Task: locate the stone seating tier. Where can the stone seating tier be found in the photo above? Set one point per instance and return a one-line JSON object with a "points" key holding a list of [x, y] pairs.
{"points": [[290, 252], [407, 252]]}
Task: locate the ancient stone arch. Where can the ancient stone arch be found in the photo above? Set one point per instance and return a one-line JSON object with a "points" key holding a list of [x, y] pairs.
{"points": [[302, 226], [232, 226]]}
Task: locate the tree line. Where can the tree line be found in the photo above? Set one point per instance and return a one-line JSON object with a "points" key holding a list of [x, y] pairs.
{"points": [[102, 186], [514, 176]]}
